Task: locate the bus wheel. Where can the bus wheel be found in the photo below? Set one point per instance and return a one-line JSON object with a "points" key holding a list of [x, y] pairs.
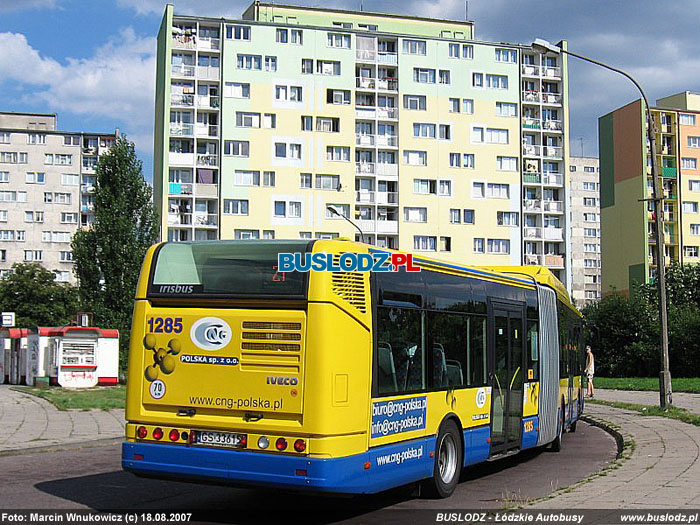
{"points": [[556, 444], [448, 462], [572, 426]]}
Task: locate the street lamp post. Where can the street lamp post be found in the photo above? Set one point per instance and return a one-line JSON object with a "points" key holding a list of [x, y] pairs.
{"points": [[542, 46], [336, 212]]}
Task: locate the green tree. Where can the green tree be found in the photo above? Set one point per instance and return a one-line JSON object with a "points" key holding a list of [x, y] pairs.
{"points": [[36, 298], [108, 255]]}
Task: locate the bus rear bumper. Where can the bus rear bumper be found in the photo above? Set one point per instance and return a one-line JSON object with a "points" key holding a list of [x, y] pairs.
{"points": [[344, 475]]}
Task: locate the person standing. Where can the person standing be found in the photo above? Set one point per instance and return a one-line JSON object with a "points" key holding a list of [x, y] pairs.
{"points": [[590, 370]]}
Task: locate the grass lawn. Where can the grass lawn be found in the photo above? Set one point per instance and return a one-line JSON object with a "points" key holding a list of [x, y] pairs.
{"points": [[104, 397], [672, 412], [689, 384]]}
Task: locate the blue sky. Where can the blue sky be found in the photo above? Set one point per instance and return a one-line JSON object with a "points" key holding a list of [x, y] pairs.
{"points": [[92, 62]]}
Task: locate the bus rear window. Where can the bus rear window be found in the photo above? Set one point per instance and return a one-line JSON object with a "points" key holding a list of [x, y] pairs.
{"points": [[226, 268]]}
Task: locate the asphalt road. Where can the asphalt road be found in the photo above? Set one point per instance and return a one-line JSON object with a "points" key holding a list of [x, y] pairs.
{"points": [[92, 478]]}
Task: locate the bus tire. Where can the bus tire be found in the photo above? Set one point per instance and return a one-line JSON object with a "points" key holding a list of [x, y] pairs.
{"points": [[448, 461], [556, 444], [572, 426]]}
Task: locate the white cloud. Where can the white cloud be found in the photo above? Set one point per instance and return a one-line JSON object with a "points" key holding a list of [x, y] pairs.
{"points": [[117, 82], [216, 8]]}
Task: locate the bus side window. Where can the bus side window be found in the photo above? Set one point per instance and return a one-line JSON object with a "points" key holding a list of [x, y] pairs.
{"points": [[476, 350], [533, 354], [449, 334], [400, 360]]}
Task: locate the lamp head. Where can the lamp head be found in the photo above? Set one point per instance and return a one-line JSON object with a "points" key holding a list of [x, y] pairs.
{"points": [[543, 46]]}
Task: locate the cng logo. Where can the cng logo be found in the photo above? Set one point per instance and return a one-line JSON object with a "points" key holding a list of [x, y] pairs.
{"points": [[210, 333], [481, 397]]}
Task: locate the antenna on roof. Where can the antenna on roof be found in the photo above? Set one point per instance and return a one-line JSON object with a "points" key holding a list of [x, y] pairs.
{"points": [[466, 10], [361, 7]]}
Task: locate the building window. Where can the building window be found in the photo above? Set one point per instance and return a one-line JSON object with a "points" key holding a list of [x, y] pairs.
{"points": [[686, 119], [70, 179], [252, 62], [445, 244], [506, 109], [246, 234], [64, 160], [415, 158], [34, 177], [695, 229], [507, 163], [424, 186], [591, 248], [467, 51], [444, 76], [498, 191], [477, 135], [478, 190], [690, 207], [591, 217], [268, 234], [496, 136], [507, 218], [235, 206], [66, 256], [237, 90], [238, 32], [4, 176], [689, 163], [478, 80], [328, 67], [572, 168], [33, 255], [327, 182], [338, 96], [328, 124], [690, 251], [247, 120], [444, 132], [268, 179], [36, 138], [415, 102], [270, 63], [288, 209], [66, 218], [454, 50], [589, 169], [455, 216], [246, 178], [693, 142], [497, 81], [341, 153], [454, 105], [506, 55], [424, 243], [499, 246], [305, 180], [237, 148], [415, 214], [307, 66], [479, 245], [468, 106], [468, 217], [339, 40], [4, 137], [424, 131], [423, 75], [445, 188], [590, 201], [3, 215], [590, 186], [414, 47]]}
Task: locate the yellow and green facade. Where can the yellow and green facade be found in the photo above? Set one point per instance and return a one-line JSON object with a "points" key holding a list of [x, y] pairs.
{"points": [[628, 242], [427, 139]]}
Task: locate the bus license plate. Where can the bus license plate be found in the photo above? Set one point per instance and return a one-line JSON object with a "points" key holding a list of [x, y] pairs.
{"points": [[218, 439]]}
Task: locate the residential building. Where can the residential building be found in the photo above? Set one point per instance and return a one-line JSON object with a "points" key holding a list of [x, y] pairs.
{"points": [[430, 140], [47, 182], [584, 207], [628, 221]]}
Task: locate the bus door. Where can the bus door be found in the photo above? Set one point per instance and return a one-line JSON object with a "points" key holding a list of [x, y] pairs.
{"points": [[506, 341]]}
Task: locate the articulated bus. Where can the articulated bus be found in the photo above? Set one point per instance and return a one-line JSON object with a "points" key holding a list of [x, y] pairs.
{"points": [[342, 381]]}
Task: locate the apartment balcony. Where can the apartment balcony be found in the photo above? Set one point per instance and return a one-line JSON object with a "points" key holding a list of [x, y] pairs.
{"points": [[530, 232], [388, 197], [552, 125], [532, 178], [553, 206], [209, 44], [532, 150], [554, 261], [552, 99], [388, 227], [181, 130], [181, 101], [388, 84], [384, 57], [387, 170], [533, 259], [181, 41], [365, 168], [551, 72], [208, 101], [87, 208], [206, 220], [207, 160], [208, 73], [89, 168], [533, 97], [668, 172], [365, 83], [553, 152], [87, 188], [366, 112], [90, 150], [364, 197], [182, 70], [179, 188], [553, 234], [206, 190], [366, 225], [185, 159], [531, 123], [387, 141], [179, 219], [387, 113], [362, 139], [530, 205], [553, 179], [530, 70], [366, 55], [207, 130]]}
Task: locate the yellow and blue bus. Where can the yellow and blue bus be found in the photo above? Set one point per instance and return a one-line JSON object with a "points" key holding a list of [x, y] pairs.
{"points": [[342, 382]]}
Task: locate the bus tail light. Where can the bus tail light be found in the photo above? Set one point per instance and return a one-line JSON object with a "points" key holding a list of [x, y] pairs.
{"points": [[301, 472], [138, 457], [142, 432], [243, 442], [192, 437], [281, 444], [263, 442], [158, 433], [174, 435], [300, 445]]}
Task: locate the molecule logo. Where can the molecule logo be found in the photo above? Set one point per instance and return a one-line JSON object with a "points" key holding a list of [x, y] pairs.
{"points": [[163, 359]]}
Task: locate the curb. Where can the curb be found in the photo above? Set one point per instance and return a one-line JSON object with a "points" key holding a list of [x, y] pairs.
{"points": [[614, 431], [60, 447]]}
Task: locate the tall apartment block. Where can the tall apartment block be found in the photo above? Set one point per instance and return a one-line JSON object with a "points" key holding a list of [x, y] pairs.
{"points": [[426, 138], [584, 206], [628, 228], [47, 182]]}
